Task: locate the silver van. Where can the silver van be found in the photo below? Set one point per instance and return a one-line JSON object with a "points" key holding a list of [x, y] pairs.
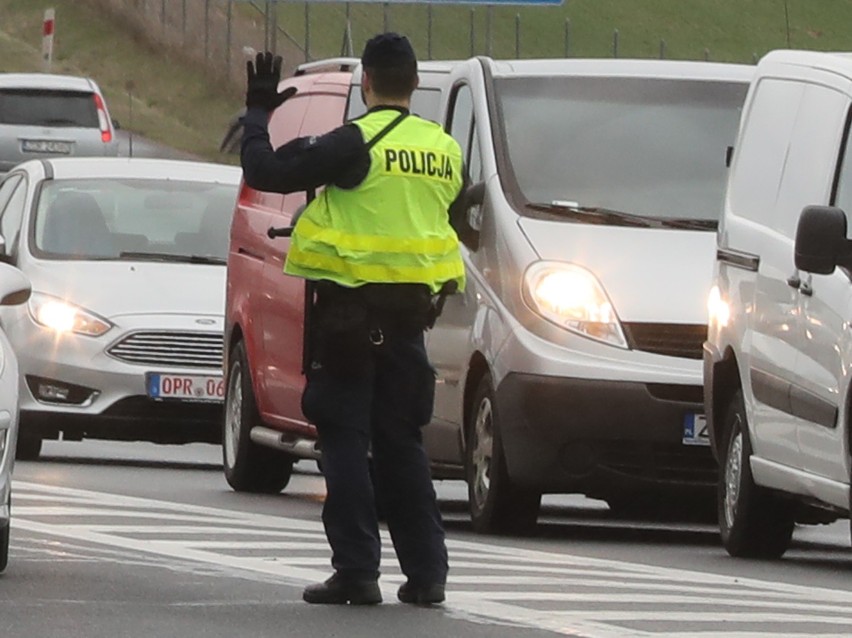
{"points": [[52, 115], [572, 361]]}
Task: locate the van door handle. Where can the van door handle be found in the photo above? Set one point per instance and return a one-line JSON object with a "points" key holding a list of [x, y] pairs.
{"points": [[794, 281], [248, 253], [806, 289]]}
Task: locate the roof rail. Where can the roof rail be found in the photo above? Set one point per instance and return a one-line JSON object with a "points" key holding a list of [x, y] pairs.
{"points": [[328, 64]]}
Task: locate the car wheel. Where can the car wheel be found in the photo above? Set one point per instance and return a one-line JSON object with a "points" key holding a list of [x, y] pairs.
{"points": [[28, 448], [248, 467], [754, 522], [496, 505]]}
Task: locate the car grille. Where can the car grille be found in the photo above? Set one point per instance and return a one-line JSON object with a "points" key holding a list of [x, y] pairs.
{"points": [[184, 349], [670, 463], [674, 340]]}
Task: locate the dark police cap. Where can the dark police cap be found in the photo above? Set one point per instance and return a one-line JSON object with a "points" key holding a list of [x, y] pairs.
{"points": [[387, 49]]}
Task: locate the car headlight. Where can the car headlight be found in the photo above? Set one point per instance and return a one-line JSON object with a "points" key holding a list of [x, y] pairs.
{"points": [[61, 316], [571, 297]]}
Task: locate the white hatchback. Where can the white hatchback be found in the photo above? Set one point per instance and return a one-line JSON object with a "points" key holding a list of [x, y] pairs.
{"points": [[122, 336], [47, 115]]}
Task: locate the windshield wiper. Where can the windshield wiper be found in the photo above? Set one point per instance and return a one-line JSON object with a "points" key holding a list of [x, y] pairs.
{"points": [[184, 259], [603, 215]]}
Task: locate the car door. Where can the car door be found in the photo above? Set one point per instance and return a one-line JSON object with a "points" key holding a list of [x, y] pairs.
{"points": [[820, 376], [755, 261], [318, 112], [449, 343]]}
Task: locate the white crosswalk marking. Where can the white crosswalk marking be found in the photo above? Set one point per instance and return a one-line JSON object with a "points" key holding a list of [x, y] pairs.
{"points": [[567, 594]]}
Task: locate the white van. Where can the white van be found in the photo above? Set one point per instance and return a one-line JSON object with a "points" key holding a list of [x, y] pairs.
{"points": [[777, 360], [572, 361]]}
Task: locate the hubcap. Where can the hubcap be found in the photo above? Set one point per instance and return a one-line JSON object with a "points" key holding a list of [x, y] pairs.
{"points": [[733, 477], [233, 413], [483, 442]]}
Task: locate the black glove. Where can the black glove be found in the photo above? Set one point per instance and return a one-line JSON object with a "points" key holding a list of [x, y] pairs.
{"points": [[263, 78]]}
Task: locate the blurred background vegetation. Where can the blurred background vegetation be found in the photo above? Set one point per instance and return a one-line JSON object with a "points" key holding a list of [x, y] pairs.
{"points": [[172, 70]]}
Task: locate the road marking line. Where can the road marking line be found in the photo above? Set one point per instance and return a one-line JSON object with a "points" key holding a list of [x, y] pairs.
{"points": [[578, 574]]}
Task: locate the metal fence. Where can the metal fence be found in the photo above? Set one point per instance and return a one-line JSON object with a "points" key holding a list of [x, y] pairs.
{"points": [[220, 34]]}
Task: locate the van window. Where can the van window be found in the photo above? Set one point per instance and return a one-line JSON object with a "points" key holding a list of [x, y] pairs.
{"points": [[425, 102], [462, 118], [39, 107], [653, 147], [474, 160], [843, 195], [759, 159], [812, 156]]}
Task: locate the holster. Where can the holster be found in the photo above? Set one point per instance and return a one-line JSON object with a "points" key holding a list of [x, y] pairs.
{"points": [[351, 322]]}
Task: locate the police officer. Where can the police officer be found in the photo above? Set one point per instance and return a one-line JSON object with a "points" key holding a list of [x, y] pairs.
{"points": [[379, 246]]}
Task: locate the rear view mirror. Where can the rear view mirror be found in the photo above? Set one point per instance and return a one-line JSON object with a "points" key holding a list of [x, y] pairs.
{"points": [[821, 243], [15, 287]]}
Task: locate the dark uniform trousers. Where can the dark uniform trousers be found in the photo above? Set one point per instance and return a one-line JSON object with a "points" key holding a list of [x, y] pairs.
{"points": [[371, 388]]}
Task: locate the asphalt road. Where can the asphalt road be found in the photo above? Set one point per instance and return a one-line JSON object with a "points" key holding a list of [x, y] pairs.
{"points": [[132, 144], [113, 540]]}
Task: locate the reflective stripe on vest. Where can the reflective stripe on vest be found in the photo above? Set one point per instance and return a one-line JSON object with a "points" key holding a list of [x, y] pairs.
{"points": [[393, 227]]}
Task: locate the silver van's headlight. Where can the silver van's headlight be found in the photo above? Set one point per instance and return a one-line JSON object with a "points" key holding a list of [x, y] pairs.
{"points": [[571, 297], [61, 316]]}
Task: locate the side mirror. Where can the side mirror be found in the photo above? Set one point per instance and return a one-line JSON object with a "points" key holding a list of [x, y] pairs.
{"points": [[473, 198], [475, 194], [15, 287], [821, 243]]}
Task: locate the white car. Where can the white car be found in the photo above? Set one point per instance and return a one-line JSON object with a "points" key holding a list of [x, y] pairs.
{"points": [[46, 115], [122, 336], [779, 349], [14, 289]]}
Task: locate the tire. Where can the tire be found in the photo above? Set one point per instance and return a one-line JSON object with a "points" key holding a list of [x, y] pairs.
{"points": [[28, 448], [5, 533], [248, 467], [754, 522], [496, 505]]}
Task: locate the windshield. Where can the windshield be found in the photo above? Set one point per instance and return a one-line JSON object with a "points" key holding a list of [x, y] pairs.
{"points": [[37, 107], [424, 102], [648, 147], [166, 220]]}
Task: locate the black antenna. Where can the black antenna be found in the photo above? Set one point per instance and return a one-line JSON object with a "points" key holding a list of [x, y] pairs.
{"points": [[787, 21]]}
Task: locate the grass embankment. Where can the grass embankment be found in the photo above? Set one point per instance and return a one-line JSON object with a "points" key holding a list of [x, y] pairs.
{"points": [[176, 103], [172, 102], [730, 30]]}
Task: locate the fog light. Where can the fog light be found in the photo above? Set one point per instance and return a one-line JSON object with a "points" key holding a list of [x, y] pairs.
{"points": [[53, 392], [48, 390], [4, 435]]}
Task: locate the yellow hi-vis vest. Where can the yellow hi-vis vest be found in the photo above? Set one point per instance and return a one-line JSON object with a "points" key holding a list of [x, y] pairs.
{"points": [[393, 227]]}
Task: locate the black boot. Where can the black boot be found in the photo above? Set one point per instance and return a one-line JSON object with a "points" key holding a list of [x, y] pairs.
{"points": [[339, 590], [415, 594]]}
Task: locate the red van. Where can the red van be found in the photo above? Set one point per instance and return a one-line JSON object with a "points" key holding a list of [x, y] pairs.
{"points": [[264, 431]]}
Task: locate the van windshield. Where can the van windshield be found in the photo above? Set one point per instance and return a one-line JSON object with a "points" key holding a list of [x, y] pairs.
{"points": [[648, 147]]}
